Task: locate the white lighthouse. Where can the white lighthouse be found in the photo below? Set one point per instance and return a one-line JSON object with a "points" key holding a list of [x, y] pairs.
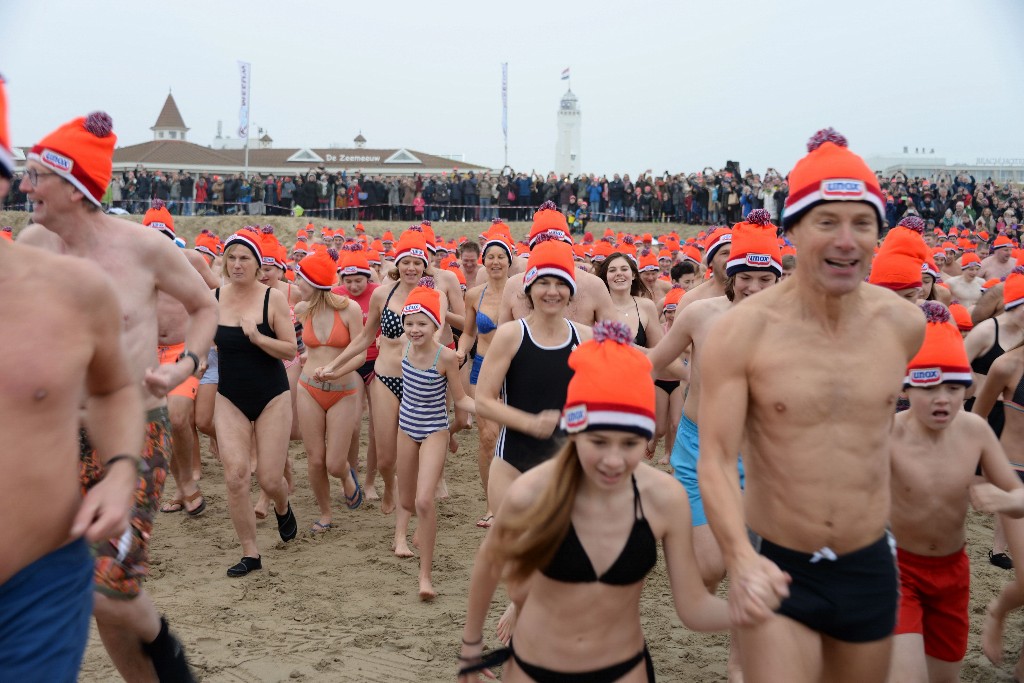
{"points": [[567, 149]]}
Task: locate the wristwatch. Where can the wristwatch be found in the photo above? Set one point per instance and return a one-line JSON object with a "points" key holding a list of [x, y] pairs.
{"points": [[195, 359]]}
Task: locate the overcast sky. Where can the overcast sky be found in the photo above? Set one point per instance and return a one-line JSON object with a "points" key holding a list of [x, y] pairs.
{"points": [[674, 85]]}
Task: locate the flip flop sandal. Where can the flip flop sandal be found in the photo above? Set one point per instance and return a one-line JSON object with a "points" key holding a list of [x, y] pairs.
{"points": [[485, 522], [202, 505], [319, 528], [356, 499], [176, 505]]}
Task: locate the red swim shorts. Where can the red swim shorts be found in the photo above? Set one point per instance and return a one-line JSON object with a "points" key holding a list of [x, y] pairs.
{"points": [[934, 595]]}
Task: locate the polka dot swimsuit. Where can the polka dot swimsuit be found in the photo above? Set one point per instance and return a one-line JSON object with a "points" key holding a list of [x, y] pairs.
{"points": [[390, 322]]}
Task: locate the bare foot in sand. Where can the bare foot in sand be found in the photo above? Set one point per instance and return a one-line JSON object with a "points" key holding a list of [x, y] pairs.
{"points": [[401, 548], [992, 634], [387, 503], [261, 507], [416, 539], [426, 590], [507, 624], [453, 444], [370, 491], [288, 478], [663, 460], [441, 490]]}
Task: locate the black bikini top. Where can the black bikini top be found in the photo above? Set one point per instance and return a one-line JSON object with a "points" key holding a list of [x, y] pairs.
{"points": [[571, 564]]}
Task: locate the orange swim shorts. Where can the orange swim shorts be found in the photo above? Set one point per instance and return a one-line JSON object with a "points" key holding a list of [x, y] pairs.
{"points": [[169, 355]]}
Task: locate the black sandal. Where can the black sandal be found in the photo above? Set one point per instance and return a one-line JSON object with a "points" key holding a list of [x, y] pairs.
{"points": [[246, 565], [287, 525], [1001, 560]]}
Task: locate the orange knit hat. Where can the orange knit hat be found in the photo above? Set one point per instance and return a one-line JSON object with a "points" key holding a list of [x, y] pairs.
{"points": [[82, 152], [497, 238], [160, 218], [1013, 289], [602, 250], [208, 243], [830, 172], [300, 247], [898, 264], [320, 269], [355, 263], [248, 239], [548, 220], [671, 302], [412, 243], [6, 157], [611, 387], [754, 245], [551, 258], [1002, 242], [961, 316], [969, 260], [647, 261], [718, 238], [424, 299], [942, 358]]}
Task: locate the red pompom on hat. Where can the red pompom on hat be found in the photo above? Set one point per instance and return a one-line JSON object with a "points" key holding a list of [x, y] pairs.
{"points": [[548, 220], [1013, 290], [320, 269], [830, 173], [942, 357], [755, 245], [160, 218], [611, 387], [412, 243], [6, 156], [82, 152], [426, 300], [718, 238], [551, 258]]}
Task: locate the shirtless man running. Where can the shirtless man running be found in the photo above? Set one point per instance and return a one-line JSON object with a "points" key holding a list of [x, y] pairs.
{"points": [[966, 287], [999, 264], [591, 303], [61, 344], [172, 319], [804, 378], [66, 175]]}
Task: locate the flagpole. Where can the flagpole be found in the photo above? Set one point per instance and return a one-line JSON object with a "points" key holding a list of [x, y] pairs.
{"points": [[245, 173], [504, 107]]}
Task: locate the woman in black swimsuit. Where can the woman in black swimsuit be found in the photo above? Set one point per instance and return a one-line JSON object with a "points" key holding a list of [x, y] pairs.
{"points": [[385, 316], [254, 336], [578, 534]]}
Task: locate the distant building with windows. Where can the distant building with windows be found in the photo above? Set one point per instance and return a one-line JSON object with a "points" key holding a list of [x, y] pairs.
{"points": [[925, 163], [170, 150]]}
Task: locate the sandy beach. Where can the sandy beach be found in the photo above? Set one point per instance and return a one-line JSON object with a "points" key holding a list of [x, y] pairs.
{"points": [[342, 607]]}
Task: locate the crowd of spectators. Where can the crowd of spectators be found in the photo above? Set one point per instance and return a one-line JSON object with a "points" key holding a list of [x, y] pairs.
{"points": [[706, 197]]}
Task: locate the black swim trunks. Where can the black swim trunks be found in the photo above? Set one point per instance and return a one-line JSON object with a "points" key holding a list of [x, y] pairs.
{"points": [[851, 597]]}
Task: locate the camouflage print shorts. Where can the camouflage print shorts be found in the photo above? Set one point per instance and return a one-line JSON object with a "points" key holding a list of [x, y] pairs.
{"points": [[122, 562]]}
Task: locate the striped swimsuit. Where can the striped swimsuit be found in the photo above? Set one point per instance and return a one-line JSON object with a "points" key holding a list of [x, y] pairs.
{"points": [[424, 408]]}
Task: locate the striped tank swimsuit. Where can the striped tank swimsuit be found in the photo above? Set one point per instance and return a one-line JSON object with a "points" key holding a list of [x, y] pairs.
{"points": [[423, 409]]}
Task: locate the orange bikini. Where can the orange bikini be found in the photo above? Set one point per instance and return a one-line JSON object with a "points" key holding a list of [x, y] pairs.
{"points": [[326, 394]]}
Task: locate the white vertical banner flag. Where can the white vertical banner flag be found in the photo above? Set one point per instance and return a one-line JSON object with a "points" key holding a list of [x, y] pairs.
{"points": [[244, 69], [504, 100]]}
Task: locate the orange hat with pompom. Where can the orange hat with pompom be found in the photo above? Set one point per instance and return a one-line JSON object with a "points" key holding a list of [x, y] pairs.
{"points": [[160, 218], [424, 299], [412, 243], [207, 243], [754, 245], [942, 358], [551, 258], [355, 263], [671, 302], [830, 173], [548, 220], [320, 269], [1013, 289], [961, 316], [82, 152], [597, 399]]}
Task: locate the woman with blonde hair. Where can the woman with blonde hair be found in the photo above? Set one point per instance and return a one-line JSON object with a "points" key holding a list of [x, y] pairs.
{"points": [[577, 535], [328, 411]]}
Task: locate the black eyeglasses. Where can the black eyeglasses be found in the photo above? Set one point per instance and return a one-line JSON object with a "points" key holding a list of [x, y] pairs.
{"points": [[33, 175]]}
